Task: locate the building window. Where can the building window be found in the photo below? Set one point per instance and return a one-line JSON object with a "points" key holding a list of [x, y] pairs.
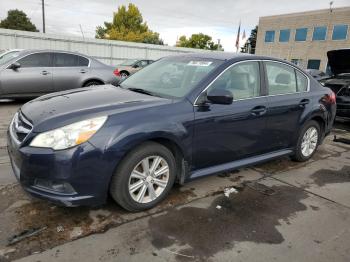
{"points": [[340, 32], [320, 33], [284, 35], [313, 64], [296, 61], [300, 34], [269, 36]]}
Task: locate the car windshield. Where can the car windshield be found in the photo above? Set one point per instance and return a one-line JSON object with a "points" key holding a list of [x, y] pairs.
{"points": [[7, 56], [129, 62], [171, 77]]}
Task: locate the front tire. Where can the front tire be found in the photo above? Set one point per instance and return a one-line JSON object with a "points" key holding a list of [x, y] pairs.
{"points": [[308, 141], [144, 177]]}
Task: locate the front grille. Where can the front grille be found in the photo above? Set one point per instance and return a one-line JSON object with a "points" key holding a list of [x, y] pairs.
{"points": [[21, 127]]}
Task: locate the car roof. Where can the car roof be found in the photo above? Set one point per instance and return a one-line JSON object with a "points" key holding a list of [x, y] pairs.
{"points": [[226, 56], [30, 51]]}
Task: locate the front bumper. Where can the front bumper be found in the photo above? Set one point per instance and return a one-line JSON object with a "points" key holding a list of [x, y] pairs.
{"points": [[82, 167]]}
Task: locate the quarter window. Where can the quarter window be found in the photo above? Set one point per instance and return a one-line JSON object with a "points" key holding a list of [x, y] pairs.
{"points": [[269, 36], [320, 33], [284, 35], [36, 60], [242, 80], [301, 81], [281, 78], [301, 34], [340, 32]]}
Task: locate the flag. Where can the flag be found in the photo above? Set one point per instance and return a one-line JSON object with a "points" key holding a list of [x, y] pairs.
{"points": [[238, 36]]}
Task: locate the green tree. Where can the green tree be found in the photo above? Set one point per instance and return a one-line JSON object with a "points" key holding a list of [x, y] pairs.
{"points": [[199, 41], [18, 20], [128, 25], [249, 46]]}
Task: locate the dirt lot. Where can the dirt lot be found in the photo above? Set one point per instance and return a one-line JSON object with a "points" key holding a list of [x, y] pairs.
{"points": [[282, 210]]}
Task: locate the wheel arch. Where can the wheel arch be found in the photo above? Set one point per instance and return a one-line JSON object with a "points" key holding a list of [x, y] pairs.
{"points": [[95, 79], [182, 157]]}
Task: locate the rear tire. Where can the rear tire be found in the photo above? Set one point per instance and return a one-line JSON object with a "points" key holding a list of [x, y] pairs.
{"points": [[136, 188], [308, 141], [93, 83]]}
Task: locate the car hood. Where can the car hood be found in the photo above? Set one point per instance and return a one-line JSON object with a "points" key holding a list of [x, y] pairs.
{"points": [[339, 61], [63, 108]]}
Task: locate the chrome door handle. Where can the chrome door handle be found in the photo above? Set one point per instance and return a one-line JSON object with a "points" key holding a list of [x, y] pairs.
{"points": [[45, 72]]}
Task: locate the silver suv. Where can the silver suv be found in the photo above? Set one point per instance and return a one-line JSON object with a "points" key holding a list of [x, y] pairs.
{"points": [[33, 73]]}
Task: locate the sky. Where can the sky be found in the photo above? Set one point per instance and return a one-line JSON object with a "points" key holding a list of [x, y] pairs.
{"points": [[170, 18]]}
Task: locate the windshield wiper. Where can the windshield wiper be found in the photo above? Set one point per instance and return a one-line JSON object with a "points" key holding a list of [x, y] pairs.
{"points": [[142, 91]]}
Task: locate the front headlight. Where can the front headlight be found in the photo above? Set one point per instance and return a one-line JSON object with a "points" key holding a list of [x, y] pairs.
{"points": [[69, 136]]}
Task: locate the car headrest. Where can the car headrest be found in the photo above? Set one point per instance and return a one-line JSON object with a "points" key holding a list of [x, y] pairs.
{"points": [[283, 79], [240, 81]]}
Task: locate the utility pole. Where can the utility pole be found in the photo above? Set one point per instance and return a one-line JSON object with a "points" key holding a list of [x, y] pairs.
{"points": [[43, 11]]}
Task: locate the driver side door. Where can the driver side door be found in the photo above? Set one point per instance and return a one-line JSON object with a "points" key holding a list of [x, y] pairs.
{"points": [[225, 133], [34, 77]]}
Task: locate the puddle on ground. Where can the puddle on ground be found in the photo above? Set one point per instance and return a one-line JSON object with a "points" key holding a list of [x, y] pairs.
{"points": [[246, 216], [327, 176], [20, 212]]}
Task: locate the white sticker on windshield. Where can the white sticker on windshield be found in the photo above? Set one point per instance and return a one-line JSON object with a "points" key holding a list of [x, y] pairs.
{"points": [[199, 63]]}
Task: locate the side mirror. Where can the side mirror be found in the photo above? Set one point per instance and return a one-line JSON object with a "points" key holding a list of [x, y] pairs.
{"points": [[14, 66], [220, 96], [136, 66]]}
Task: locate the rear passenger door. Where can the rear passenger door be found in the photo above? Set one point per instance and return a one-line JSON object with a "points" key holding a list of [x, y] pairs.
{"points": [[287, 90], [70, 71]]}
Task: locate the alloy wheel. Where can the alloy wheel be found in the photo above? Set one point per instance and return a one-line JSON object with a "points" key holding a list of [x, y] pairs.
{"points": [[149, 179], [309, 142]]}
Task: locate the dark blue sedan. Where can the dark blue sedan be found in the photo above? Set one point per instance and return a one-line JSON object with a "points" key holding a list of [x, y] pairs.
{"points": [[181, 118]]}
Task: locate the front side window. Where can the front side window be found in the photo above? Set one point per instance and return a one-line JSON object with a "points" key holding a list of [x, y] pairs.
{"points": [[281, 78], [171, 77], [284, 35], [242, 80], [320, 33], [36, 60], [340, 32], [269, 36], [313, 64], [301, 34]]}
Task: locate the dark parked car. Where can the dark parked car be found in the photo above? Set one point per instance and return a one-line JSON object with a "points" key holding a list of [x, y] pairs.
{"points": [[131, 66], [339, 82], [221, 112], [32, 73]]}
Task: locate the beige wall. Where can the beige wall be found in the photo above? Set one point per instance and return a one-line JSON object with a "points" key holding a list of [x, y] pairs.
{"points": [[308, 49]]}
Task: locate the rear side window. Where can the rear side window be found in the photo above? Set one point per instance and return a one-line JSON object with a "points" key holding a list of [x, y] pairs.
{"points": [[242, 80], [301, 81], [69, 60], [281, 78], [82, 61], [36, 60]]}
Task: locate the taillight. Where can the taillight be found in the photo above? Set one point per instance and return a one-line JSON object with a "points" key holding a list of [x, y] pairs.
{"points": [[330, 98], [116, 72]]}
